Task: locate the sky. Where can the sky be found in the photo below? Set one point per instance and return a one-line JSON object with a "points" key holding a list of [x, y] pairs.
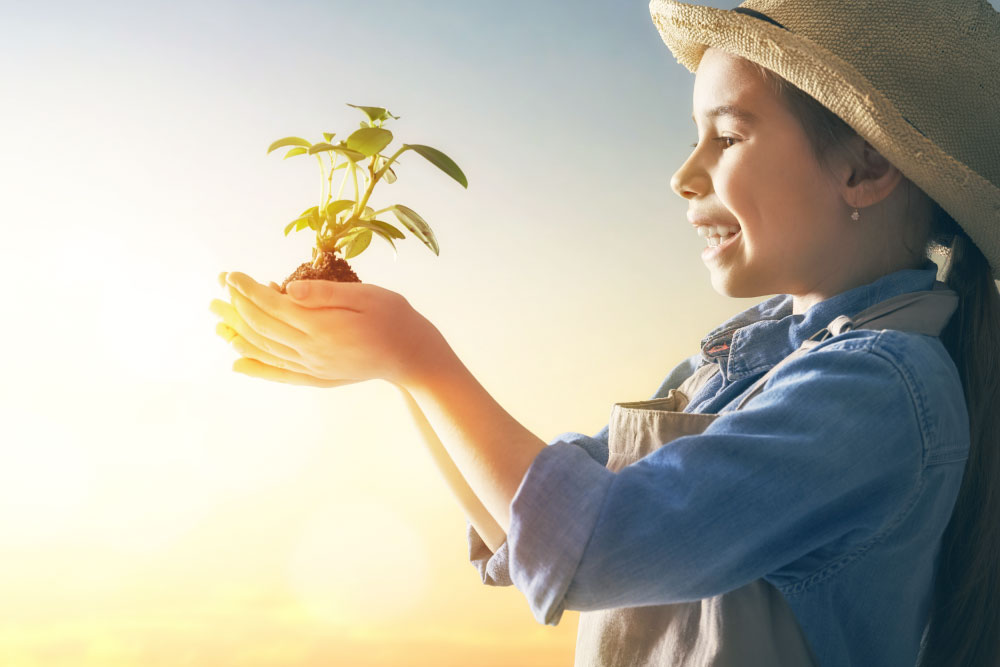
{"points": [[157, 508]]}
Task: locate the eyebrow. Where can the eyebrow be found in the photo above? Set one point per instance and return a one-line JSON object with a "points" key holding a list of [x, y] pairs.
{"points": [[731, 110]]}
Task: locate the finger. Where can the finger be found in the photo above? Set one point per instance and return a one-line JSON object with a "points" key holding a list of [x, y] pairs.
{"points": [[235, 321], [245, 348], [226, 331], [279, 308], [222, 279], [254, 368], [326, 294], [275, 286], [268, 326]]}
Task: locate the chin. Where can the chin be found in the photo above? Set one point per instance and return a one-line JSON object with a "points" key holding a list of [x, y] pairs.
{"points": [[736, 286]]}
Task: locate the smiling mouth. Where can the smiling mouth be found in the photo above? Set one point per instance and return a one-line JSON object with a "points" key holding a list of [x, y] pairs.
{"points": [[718, 234]]}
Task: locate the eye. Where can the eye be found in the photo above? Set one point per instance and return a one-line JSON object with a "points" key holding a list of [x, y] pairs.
{"points": [[733, 139]]}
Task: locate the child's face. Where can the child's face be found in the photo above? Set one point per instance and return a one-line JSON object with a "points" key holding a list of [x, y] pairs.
{"points": [[766, 180]]}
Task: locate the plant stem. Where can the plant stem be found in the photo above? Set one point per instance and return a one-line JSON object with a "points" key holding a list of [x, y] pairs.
{"points": [[374, 179], [343, 182], [333, 167], [322, 182], [354, 172], [395, 155]]}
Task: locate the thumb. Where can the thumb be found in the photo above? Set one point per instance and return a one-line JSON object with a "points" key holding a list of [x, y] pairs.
{"points": [[313, 293], [318, 293], [298, 289]]}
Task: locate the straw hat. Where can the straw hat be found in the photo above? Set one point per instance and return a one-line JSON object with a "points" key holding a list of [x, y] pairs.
{"points": [[918, 79]]}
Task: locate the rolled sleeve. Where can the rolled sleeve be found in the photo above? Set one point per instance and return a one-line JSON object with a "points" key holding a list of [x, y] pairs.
{"points": [[820, 464], [553, 515], [494, 568]]}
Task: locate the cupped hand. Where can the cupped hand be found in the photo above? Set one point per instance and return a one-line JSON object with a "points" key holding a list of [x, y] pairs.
{"points": [[255, 361], [340, 333]]}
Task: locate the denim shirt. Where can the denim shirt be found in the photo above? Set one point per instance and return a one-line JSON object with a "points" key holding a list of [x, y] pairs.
{"points": [[834, 484]]}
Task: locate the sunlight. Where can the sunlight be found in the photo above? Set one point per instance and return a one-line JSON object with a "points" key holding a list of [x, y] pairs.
{"points": [[45, 476], [359, 563]]}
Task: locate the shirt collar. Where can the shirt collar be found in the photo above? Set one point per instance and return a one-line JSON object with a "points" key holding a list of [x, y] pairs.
{"points": [[762, 335]]}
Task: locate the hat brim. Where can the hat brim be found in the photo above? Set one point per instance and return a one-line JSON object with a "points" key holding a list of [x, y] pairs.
{"points": [[973, 201]]}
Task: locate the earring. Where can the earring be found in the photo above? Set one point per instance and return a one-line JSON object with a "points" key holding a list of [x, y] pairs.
{"points": [[855, 215]]}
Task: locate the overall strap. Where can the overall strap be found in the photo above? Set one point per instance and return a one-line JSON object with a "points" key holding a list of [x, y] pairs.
{"points": [[924, 312]]}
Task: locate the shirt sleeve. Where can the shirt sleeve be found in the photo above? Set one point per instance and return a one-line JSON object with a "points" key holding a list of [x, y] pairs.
{"points": [[493, 568], [824, 460]]}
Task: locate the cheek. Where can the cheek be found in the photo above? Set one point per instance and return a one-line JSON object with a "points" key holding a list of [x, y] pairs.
{"points": [[782, 193], [747, 189]]}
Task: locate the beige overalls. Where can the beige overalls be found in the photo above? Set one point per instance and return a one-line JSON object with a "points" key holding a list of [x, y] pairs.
{"points": [[748, 626]]}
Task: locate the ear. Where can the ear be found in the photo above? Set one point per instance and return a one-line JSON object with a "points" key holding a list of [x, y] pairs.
{"points": [[870, 178]]}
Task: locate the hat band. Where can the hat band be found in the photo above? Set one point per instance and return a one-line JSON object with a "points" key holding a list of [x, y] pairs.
{"points": [[757, 15]]}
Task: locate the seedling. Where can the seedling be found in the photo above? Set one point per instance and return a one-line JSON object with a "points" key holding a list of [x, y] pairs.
{"points": [[346, 226]]}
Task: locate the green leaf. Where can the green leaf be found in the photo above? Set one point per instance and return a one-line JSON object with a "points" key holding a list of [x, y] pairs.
{"points": [[293, 152], [375, 113], [329, 135], [369, 140], [389, 239], [412, 221], [377, 226], [388, 229], [288, 141], [341, 241], [441, 161], [299, 224], [335, 207], [389, 175], [321, 146], [358, 244], [309, 211], [368, 213], [340, 148], [350, 154]]}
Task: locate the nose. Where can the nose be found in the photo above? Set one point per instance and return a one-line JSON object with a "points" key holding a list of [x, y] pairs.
{"points": [[689, 181]]}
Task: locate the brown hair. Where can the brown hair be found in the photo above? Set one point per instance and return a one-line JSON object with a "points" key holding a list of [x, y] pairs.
{"points": [[964, 623]]}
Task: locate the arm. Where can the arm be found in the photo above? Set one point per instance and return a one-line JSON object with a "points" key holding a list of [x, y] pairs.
{"points": [[779, 488], [484, 523], [490, 448], [461, 405], [338, 334], [489, 552]]}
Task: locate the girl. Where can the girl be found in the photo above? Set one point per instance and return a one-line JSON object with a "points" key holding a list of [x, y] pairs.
{"points": [[816, 485]]}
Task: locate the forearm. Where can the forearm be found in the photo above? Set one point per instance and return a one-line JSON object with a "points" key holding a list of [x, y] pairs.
{"points": [[490, 448], [480, 518]]}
